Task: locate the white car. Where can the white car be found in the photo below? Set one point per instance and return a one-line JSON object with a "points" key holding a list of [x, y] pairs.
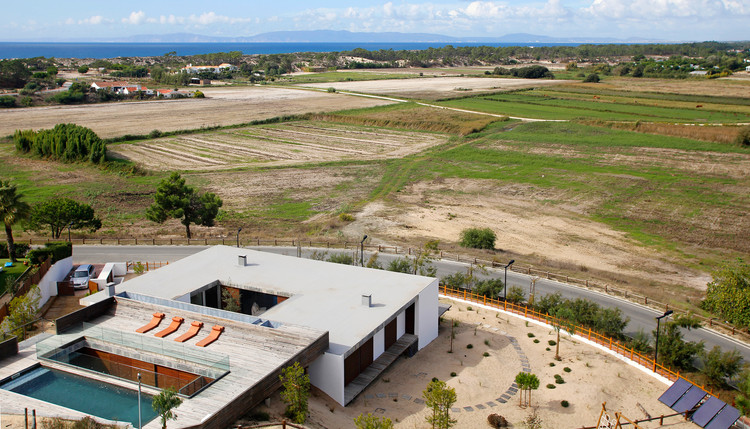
{"points": [[81, 276]]}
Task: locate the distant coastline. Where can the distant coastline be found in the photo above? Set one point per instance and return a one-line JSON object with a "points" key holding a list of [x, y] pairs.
{"points": [[114, 50]]}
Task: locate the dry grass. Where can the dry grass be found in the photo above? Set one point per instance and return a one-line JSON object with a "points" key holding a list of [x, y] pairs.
{"points": [[717, 134], [414, 117]]}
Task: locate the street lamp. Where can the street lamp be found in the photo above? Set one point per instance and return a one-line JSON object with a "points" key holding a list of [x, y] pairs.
{"points": [[139, 401], [505, 282], [362, 251], [238, 236], [656, 347]]}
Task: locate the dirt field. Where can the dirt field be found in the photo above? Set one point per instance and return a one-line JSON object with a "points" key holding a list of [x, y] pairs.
{"points": [[284, 144], [222, 106], [594, 377], [728, 87], [435, 87], [524, 225]]}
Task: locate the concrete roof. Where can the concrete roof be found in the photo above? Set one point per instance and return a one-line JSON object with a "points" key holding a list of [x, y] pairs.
{"points": [[323, 295]]}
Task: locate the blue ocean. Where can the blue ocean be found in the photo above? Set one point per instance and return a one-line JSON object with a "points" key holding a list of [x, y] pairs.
{"points": [[113, 50]]}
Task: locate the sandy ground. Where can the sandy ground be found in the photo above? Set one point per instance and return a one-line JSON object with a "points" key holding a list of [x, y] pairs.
{"points": [[524, 225], [222, 106], [712, 87], [595, 377], [434, 87]]}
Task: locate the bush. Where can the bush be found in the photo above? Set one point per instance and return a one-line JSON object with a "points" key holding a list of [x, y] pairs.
{"points": [[515, 295], [83, 69], [20, 250], [154, 134], [728, 293], [346, 217], [478, 238], [565, 404], [199, 94], [486, 354], [497, 421], [531, 335], [551, 386], [7, 101], [551, 342], [743, 136], [331, 89], [453, 374], [593, 77], [56, 250], [469, 346], [536, 340], [341, 258], [64, 142], [551, 364], [559, 379], [566, 369]]}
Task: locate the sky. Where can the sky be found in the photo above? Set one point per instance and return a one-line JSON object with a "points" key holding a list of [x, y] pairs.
{"points": [[667, 20]]}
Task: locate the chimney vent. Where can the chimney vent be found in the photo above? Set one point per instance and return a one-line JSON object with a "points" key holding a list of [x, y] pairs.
{"points": [[367, 300], [242, 260]]}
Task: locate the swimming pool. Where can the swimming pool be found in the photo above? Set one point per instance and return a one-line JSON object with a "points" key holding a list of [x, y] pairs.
{"points": [[82, 394]]}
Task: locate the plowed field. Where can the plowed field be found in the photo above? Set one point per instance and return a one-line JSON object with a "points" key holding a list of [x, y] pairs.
{"points": [[284, 144]]}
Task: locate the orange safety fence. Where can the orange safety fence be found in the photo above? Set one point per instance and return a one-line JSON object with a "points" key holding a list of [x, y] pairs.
{"points": [[585, 332]]}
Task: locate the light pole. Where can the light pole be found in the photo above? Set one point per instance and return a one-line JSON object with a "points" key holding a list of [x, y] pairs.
{"points": [[505, 282], [139, 401], [362, 251], [656, 347], [238, 236]]}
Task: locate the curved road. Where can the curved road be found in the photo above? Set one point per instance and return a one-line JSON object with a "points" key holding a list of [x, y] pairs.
{"points": [[640, 317]]}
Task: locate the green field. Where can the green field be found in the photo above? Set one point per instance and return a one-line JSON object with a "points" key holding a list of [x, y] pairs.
{"points": [[568, 105]]}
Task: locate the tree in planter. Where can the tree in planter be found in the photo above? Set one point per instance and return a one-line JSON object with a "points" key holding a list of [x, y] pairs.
{"points": [[22, 311], [440, 398], [164, 403], [12, 210], [59, 213], [175, 199], [371, 422], [296, 391]]}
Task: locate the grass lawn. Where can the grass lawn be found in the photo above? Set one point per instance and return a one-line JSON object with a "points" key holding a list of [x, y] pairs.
{"points": [[9, 275]]}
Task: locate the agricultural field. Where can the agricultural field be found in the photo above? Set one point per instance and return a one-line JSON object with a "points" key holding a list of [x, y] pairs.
{"points": [[578, 102], [273, 145], [221, 107], [432, 88]]}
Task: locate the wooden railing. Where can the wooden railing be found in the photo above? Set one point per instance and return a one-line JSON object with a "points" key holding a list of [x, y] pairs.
{"points": [[585, 332]]}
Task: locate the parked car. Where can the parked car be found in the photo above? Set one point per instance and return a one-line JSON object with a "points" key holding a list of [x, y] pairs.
{"points": [[81, 276]]}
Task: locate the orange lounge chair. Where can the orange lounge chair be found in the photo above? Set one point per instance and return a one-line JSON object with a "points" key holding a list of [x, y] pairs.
{"points": [[193, 331], [213, 336], [152, 324], [176, 322]]}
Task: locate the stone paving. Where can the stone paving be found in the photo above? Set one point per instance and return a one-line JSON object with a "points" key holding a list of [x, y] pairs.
{"points": [[502, 399]]}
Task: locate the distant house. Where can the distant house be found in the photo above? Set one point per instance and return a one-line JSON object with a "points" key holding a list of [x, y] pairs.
{"points": [[698, 73], [114, 86], [215, 69], [747, 69]]}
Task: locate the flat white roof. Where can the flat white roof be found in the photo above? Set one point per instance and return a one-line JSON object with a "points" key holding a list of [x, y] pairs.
{"points": [[323, 295]]}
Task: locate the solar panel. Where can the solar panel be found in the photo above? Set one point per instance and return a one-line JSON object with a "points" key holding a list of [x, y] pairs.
{"points": [[675, 392], [707, 411], [725, 418], [689, 400]]}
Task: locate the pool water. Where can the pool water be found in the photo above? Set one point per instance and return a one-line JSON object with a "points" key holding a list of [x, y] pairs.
{"points": [[83, 394]]}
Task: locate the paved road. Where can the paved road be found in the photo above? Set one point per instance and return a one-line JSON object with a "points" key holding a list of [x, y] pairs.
{"points": [[640, 317]]}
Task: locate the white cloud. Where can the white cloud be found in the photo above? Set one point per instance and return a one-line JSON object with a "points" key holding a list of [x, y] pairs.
{"points": [[95, 20], [135, 18], [650, 10]]}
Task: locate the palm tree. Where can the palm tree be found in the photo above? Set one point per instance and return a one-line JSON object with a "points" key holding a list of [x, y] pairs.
{"points": [[12, 210]]}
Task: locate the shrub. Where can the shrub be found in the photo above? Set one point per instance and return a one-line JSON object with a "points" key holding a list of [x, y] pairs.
{"points": [[199, 94], [83, 69], [341, 258], [453, 374], [486, 354], [593, 78], [743, 136], [565, 404], [486, 342], [469, 346], [551, 342], [469, 308], [331, 89], [559, 379], [551, 364], [497, 421], [7, 101], [566, 369], [20, 250], [55, 250], [551, 386], [346, 217], [536, 340], [531, 335], [515, 295], [64, 142], [478, 238], [154, 134]]}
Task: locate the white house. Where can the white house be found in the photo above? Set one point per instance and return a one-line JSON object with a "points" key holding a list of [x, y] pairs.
{"points": [[365, 312], [215, 69]]}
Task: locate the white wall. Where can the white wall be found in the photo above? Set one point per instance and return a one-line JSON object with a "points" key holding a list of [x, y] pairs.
{"points": [[378, 344], [400, 324], [184, 298], [426, 317], [56, 273], [327, 374]]}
